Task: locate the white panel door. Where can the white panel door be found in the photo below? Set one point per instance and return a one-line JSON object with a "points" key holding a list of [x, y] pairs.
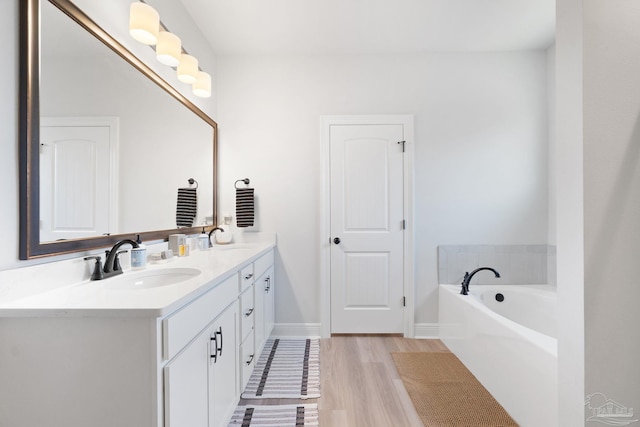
{"points": [[366, 228], [75, 181]]}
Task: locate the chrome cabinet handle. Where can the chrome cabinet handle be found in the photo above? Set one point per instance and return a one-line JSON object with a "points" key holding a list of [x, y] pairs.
{"points": [[248, 276], [267, 288], [248, 362], [248, 313]]}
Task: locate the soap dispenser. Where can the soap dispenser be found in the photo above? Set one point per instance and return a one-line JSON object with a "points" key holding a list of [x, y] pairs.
{"points": [[203, 241], [139, 255]]}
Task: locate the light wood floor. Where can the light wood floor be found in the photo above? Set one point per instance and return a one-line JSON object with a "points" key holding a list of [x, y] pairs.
{"points": [[360, 385]]}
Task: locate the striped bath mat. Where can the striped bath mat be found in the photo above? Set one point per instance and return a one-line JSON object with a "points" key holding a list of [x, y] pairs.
{"points": [[275, 416], [287, 369]]}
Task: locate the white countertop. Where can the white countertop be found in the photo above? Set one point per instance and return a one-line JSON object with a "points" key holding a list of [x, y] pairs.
{"points": [[97, 299]]}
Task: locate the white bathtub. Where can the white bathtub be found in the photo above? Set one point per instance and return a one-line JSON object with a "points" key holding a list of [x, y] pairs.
{"points": [[509, 346]]}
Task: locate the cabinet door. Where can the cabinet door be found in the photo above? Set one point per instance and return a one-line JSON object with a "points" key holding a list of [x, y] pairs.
{"points": [[223, 372], [247, 360], [259, 297], [247, 312], [186, 386], [269, 303], [264, 312]]}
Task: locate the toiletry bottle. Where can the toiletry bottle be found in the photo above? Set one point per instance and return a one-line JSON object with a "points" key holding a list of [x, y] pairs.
{"points": [[203, 241], [188, 241], [139, 255], [182, 245], [175, 240]]}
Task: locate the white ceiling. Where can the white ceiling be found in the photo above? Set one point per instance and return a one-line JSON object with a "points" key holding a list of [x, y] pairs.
{"points": [[286, 27]]}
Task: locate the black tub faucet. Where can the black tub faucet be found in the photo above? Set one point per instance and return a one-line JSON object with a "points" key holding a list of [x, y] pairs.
{"points": [[468, 276]]}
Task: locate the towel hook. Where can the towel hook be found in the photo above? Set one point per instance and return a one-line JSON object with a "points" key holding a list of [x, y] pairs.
{"points": [[191, 181], [246, 181]]}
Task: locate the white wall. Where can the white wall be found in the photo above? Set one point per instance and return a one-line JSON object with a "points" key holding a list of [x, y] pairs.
{"points": [[612, 199], [9, 137], [551, 152], [569, 213], [481, 152], [598, 203], [112, 16]]}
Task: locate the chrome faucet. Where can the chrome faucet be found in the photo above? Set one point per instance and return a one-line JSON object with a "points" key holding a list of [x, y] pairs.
{"points": [[468, 277], [111, 262], [211, 232]]}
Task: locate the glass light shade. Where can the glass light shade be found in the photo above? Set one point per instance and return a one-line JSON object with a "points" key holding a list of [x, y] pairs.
{"points": [[202, 86], [144, 23], [188, 69], [168, 49]]}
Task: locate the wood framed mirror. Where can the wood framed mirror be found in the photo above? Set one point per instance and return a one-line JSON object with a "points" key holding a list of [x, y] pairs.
{"points": [[78, 196]]}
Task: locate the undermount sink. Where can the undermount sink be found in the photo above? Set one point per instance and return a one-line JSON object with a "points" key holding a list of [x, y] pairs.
{"points": [[150, 279]]}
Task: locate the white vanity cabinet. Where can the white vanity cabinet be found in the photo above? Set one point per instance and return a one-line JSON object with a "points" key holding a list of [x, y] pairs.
{"points": [[167, 357], [264, 300], [187, 386], [256, 301], [247, 320], [268, 283], [223, 372], [200, 342], [200, 382]]}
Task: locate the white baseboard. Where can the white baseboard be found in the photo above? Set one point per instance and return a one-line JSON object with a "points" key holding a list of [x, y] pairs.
{"points": [[427, 330], [306, 330], [297, 330]]}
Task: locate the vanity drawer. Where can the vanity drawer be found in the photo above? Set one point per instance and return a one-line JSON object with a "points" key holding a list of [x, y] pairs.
{"points": [[248, 360], [182, 326], [246, 277], [247, 307], [263, 263]]}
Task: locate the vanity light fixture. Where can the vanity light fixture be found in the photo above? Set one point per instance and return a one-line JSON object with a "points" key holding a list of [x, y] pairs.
{"points": [[202, 86], [144, 23], [168, 49], [188, 69], [145, 26]]}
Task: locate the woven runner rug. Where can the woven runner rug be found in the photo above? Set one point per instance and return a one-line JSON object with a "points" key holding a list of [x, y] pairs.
{"points": [[286, 369], [275, 416], [445, 393]]}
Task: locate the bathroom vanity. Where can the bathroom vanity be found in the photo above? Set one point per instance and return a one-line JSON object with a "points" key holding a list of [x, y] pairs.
{"points": [[171, 351]]}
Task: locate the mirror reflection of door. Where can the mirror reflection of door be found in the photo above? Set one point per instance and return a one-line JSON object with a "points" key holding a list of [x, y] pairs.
{"points": [[77, 183]]}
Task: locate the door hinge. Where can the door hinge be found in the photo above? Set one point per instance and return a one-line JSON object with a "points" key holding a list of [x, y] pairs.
{"points": [[404, 301], [402, 143], [404, 224]]}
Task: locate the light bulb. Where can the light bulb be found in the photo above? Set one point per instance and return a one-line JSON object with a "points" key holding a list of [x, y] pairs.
{"points": [[202, 86], [168, 49], [188, 69], [144, 23]]}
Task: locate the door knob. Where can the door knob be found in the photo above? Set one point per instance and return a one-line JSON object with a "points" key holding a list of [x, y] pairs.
{"points": [[336, 240]]}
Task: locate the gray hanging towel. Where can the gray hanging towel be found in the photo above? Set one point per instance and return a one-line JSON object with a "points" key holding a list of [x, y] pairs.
{"points": [[186, 207], [245, 207]]}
